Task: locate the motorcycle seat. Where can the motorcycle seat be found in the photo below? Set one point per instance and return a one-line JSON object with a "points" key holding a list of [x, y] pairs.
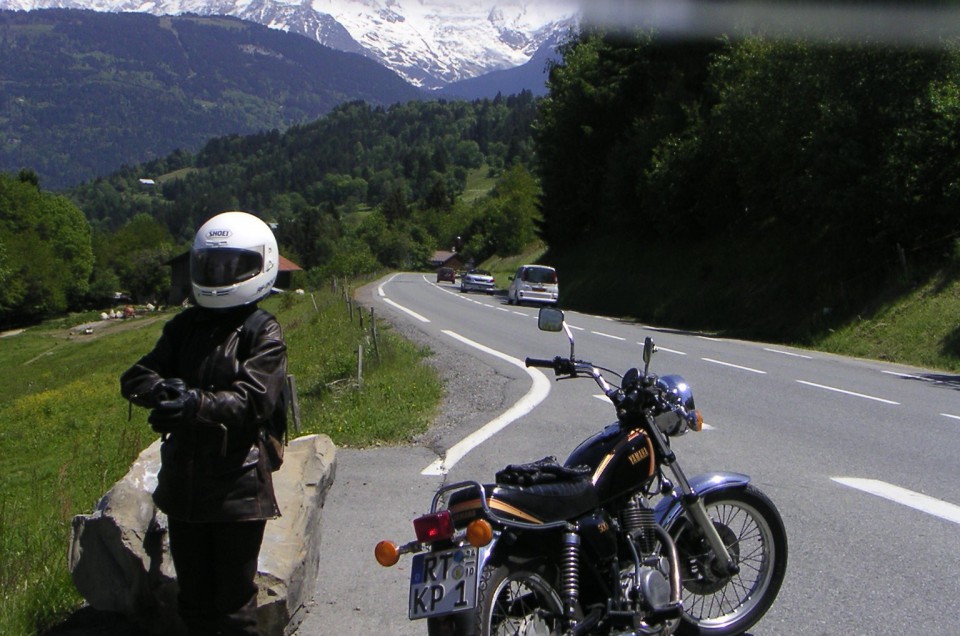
{"points": [[537, 503]]}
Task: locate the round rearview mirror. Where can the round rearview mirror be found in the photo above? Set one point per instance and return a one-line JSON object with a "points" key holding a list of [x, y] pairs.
{"points": [[550, 319]]}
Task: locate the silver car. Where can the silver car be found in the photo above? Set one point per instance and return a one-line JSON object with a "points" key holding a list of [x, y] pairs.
{"points": [[534, 284], [478, 280]]}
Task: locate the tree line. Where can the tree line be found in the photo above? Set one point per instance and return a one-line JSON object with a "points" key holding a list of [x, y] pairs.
{"points": [[786, 177]]}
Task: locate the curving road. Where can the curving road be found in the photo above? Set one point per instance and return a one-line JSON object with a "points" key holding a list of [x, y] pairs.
{"points": [[860, 457]]}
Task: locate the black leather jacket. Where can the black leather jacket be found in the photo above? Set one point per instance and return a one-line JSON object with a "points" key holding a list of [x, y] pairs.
{"points": [[213, 469]]}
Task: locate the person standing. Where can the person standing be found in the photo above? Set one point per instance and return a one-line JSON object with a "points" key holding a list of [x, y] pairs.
{"points": [[210, 399]]}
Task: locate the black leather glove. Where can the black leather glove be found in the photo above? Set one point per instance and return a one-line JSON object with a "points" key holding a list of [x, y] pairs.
{"points": [[178, 407], [162, 391]]}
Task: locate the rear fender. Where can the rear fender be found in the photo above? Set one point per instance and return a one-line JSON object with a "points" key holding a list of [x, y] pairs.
{"points": [[670, 508], [486, 552]]}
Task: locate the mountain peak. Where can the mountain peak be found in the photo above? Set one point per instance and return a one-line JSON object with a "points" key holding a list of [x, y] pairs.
{"points": [[430, 43]]}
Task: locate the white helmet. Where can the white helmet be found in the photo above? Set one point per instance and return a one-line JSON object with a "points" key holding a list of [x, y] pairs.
{"points": [[234, 261]]}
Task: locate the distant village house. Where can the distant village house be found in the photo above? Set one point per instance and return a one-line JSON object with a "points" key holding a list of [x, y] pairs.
{"points": [[443, 258]]}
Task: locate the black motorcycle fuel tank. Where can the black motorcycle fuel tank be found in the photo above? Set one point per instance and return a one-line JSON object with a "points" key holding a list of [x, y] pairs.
{"points": [[621, 460]]}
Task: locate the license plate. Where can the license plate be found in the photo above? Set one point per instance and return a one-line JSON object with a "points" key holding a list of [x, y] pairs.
{"points": [[443, 582]]}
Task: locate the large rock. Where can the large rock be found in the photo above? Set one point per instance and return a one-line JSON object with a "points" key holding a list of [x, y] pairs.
{"points": [[120, 560]]}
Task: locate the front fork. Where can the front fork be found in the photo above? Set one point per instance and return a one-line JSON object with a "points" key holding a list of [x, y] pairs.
{"points": [[691, 501]]}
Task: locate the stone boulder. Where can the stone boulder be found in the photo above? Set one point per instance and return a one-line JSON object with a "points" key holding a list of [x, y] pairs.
{"points": [[119, 555]]}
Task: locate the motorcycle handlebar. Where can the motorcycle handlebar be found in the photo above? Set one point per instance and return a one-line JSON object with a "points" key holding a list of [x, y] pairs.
{"points": [[538, 362], [647, 393], [560, 365]]}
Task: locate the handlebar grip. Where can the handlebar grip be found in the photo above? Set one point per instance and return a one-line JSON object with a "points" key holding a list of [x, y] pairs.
{"points": [[537, 362]]}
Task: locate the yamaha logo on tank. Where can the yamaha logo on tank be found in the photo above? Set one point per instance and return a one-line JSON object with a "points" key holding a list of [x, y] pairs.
{"points": [[218, 234]]}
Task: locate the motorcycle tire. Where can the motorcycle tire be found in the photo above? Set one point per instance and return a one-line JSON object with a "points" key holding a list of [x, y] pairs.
{"points": [[751, 527], [513, 599]]}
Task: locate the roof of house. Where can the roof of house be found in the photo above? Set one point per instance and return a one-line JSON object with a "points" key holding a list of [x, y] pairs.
{"points": [[442, 257], [286, 265]]}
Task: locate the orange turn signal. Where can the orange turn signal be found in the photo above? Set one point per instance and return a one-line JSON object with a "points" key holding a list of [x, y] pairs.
{"points": [[697, 421], [479, 533], [387, 553]]}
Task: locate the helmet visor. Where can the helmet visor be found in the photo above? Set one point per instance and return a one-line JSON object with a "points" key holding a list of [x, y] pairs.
{"points": [[219, 267]]}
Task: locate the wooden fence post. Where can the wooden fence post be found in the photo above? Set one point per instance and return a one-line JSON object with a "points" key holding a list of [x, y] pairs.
{"points": [[360, 366], [373, 329]]}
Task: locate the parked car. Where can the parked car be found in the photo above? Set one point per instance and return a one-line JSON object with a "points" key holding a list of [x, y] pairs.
{"points": [[533, 284], [478, 280], [447, 274]]}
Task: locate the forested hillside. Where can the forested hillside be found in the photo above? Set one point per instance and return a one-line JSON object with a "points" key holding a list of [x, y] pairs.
{"points": [[360, 189], [769, 188], [85, 93]]}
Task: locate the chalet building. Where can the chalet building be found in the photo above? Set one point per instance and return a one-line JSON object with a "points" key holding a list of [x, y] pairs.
{"points": [[180, 287], [446, 259]]}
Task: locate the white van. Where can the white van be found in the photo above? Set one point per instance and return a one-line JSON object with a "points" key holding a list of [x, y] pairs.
{"points": [[533, 284]]}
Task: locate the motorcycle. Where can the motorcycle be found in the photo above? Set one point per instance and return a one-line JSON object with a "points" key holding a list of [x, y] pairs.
{"points": [[604, 543]]}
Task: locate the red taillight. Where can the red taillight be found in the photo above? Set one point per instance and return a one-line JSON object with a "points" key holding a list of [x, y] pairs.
{"points": [[434, 527]]}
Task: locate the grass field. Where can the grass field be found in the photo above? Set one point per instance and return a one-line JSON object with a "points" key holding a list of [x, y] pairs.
{"points": [[65, 435]]}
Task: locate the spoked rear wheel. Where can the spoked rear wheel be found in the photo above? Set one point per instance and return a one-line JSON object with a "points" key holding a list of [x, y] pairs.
{"points": [[517, 601], [722, 605]]}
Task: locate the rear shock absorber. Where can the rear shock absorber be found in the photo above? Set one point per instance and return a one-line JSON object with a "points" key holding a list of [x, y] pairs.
{"points": [[570, 573]]}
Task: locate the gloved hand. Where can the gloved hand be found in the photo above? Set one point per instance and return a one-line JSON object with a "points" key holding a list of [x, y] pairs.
{"points": [[162, 391], [177, 406]]}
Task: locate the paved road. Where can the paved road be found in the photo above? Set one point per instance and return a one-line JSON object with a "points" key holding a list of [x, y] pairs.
{"points": [[859, 456]]}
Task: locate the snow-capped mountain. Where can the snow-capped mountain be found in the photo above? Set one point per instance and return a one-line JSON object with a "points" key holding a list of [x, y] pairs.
{"points": [[431, 43]]}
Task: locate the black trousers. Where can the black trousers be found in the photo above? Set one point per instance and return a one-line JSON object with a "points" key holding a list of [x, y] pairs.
{"points": [[216, 567]]}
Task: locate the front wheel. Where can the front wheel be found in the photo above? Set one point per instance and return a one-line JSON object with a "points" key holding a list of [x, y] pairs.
{"points": [[717, 604]]}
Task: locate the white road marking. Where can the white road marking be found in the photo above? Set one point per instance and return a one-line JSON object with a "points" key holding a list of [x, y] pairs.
{"points": [[929, 379], [380, 291], [659, 348], [405, 310], [537, 394], [836, 390], [915, 500], [952, 417], [905, 375], [788, 353], [606, 335], [735, 366]]}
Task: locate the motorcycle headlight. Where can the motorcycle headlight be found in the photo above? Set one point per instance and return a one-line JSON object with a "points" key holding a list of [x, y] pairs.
{"points": [[671, 423], [678, 390]]}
